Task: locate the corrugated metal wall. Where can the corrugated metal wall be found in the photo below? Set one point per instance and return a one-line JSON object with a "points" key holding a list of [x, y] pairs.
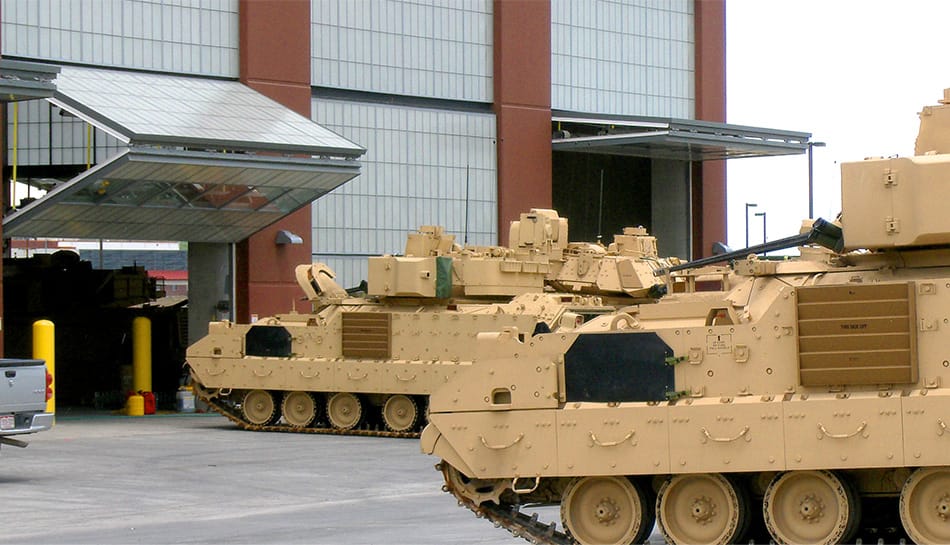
{"points": [[625, 57], [198, 37], [419, 165], [440, 49], [44, 137], [419, 160], [630, 57], [186, 36]]}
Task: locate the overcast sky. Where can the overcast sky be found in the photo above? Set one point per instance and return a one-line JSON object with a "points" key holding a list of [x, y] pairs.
{"points": [[853, 73]]}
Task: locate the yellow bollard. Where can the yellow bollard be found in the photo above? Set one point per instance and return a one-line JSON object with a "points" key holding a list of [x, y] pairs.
{"points": [[141, 355], [44, 348], [135, 405]]}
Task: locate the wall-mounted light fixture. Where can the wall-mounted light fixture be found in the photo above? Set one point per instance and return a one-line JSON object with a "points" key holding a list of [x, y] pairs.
{"points": [[286, 237]]}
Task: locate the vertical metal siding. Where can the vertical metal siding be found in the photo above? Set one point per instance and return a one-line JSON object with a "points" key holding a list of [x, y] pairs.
{"points": [[190, 36], [405, 47], [413, 174], [38, 122], [623, 57]]}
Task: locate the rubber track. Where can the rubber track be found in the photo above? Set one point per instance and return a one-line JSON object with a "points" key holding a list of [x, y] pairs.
{"points": [[532, 530], [527, 527], [235, 417]]}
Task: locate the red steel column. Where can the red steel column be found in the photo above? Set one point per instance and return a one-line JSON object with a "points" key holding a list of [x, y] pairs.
{"points": [[522, 105], [709, 181], [275, 61]]}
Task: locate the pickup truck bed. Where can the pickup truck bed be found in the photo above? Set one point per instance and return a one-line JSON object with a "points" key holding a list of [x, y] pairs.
{"points": [[22, 399]]}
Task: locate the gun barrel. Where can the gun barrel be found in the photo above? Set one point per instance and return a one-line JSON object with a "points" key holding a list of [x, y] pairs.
{"points": [[823, 232]]}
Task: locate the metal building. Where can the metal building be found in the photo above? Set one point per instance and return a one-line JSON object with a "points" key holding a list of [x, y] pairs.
{"points": [[453, 101]]}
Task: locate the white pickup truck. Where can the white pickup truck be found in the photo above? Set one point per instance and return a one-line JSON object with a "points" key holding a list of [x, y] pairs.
{"points": [[24, 391]]}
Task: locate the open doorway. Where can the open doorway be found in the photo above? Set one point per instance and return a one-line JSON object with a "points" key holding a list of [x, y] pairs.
{"points": [[625, 199]]}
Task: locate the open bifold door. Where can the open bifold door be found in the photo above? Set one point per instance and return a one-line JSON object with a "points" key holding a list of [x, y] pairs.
{"points": [[207, 161]]}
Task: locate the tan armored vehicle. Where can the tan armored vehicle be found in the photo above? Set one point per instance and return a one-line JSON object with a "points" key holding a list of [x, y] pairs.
{"points": [[367, 364], [812, 390]]}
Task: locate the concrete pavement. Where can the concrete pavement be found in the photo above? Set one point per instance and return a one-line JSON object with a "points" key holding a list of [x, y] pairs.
{"points": [[102, 479], [198, 479]]}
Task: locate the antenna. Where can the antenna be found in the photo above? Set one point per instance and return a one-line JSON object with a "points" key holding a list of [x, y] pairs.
{"points": [[465, 242], [600, 208]]}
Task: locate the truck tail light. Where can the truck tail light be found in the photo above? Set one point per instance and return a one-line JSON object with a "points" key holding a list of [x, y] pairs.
{"points": [[49, 386]]}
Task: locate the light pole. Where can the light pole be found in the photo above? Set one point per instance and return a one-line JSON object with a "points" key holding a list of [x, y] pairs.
{"points": [[764, 239], [748, 205], [811, 179]]}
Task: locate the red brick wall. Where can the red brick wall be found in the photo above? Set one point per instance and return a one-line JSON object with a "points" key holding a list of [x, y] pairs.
{"points": [[709, 180], [522, 105], [275, 61]]}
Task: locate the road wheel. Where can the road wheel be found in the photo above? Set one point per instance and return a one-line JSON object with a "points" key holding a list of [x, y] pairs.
{"points": [[606, 511], [259, 408], [701, 509], [400, 413], [925, 505], [810, 507], [344, 410], [299, 409]]}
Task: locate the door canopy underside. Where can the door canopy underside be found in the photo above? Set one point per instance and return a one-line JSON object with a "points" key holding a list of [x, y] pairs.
{"points": [[207, 161]]}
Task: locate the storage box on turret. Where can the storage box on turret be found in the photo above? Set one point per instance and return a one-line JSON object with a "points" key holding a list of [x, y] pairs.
{"points": [[888, 203]]}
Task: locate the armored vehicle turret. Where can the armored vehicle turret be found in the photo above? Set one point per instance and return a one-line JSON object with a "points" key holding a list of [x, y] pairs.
{"points": [[365, 364], [811, 390]]}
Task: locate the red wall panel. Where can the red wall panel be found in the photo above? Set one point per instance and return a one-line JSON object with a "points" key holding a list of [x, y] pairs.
{"points": [[522, 105], [709, 187], [275, 61]]}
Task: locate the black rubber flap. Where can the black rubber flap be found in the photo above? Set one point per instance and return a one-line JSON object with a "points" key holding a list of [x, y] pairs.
{"points": [[605, 367]]}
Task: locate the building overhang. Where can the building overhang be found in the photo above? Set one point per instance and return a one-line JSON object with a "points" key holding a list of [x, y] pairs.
{"points": [[207, 161], [20, 80], [168, 194], [666, 138]]}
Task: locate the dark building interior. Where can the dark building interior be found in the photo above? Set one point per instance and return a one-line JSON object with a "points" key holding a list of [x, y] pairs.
{"points": [[626, 199]]}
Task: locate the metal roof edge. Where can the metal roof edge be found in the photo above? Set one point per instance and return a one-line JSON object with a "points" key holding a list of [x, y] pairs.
{"points": [[159, 140], [671, 122], [21, 80], [88, 115], [197, 157]]}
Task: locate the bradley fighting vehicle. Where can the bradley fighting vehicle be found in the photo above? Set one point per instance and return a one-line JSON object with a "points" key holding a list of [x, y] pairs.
{"points": [[366, 364], [807, 391]]}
